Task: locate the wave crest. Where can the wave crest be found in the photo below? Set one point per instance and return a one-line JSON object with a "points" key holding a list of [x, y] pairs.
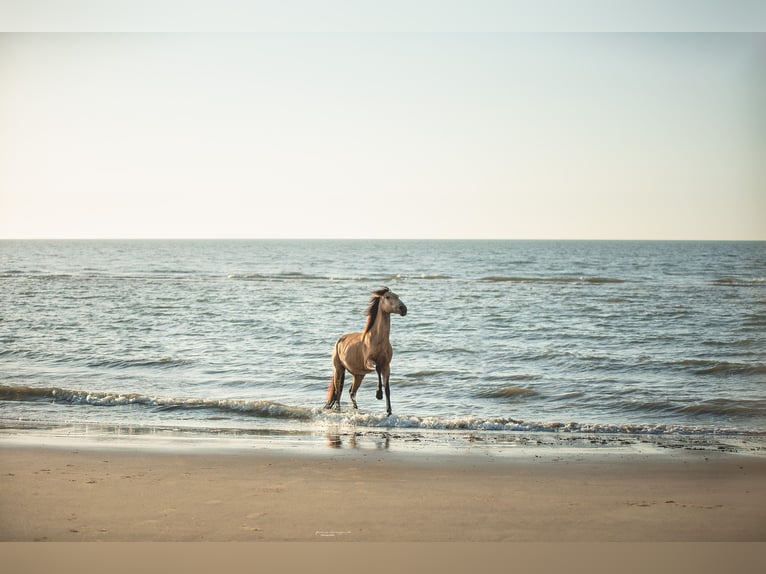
{"points": [[737, 282], [575, 280], [261, 408], [317, 415]]}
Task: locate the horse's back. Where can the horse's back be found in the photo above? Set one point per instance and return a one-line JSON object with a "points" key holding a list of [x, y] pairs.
{"points": [[346, 341]]}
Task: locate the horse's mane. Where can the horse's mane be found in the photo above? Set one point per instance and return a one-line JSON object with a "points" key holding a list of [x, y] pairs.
{"points": [[372, 308]]}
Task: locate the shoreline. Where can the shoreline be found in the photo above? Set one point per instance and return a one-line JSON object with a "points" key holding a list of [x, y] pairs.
{"points": [[98, 492], [314, 439]]}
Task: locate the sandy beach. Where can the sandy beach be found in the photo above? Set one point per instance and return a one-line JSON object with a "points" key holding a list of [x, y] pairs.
{"points": [[68, 494]]}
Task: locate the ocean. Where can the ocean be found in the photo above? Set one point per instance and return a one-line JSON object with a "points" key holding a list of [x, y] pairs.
{"points": [[505, 342]]}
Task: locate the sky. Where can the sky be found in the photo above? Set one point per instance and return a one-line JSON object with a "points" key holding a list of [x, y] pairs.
{"points": [[383, 135]]}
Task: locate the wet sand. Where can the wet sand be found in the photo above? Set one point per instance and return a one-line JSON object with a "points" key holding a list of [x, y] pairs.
{"points": [[63, 494]]}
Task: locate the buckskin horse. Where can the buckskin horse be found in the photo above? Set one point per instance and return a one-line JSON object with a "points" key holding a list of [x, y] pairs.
{"points": [[370, 350]]}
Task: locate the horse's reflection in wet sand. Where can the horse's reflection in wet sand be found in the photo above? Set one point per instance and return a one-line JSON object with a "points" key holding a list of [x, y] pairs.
{"points": [[370, 350]]}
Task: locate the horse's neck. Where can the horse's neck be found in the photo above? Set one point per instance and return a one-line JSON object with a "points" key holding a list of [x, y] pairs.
{"points": [[381, 329]]}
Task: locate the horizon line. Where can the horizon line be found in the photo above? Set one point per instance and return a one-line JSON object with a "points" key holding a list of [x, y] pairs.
{"points": [[374, 239]]}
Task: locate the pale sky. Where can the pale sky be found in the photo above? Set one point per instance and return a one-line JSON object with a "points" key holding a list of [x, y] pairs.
{"points": [[383, 135]]}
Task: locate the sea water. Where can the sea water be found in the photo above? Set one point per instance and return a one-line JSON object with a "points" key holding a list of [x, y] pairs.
{"points": [[230, 338]]}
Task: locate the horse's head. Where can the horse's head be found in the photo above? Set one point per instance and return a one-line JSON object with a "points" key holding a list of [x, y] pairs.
{"points": [[390, 302]]}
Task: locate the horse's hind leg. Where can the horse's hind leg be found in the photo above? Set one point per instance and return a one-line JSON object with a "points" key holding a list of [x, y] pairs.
{"points": [[354, 388], [331, 398], [335, 388]]}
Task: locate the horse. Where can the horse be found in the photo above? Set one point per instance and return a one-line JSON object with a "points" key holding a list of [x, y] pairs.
{"points": [[370, 350]]}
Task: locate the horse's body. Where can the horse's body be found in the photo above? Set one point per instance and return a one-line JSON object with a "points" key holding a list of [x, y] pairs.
{"points": [[370, 350]]}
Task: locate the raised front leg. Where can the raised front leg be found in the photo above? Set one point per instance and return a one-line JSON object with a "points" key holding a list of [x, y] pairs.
{"points": [[379, 392]]}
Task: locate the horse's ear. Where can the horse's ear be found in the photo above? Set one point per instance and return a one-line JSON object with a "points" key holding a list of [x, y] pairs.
{"points": [[380, 292]]}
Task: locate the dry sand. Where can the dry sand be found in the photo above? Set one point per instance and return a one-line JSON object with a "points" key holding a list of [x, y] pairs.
{"points": [[61, 494]]}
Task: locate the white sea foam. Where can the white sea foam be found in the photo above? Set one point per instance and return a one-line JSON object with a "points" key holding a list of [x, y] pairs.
{"points": [[377, 420], [315, 415]]}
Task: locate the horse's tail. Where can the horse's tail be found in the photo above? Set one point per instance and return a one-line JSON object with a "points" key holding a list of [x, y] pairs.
{"points": [[332, 390]]}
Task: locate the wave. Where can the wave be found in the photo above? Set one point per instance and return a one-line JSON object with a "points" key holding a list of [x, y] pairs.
{"points": [[317, 415], [580, 280], [186, 274], [727, 407], [288, 276], [375, 420], [506, 393], [743, 343], [707, 367], [44, 276], [109, 363], [191, 275], [92, 278], [262, 408], [296, 276], [163, 363], [427, 374], [422, 276], [648, 406], [176, 274], [719, 407], [737, 282]]}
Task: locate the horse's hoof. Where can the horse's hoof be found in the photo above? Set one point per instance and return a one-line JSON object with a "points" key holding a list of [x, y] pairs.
{"points": [[379, 395]]}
